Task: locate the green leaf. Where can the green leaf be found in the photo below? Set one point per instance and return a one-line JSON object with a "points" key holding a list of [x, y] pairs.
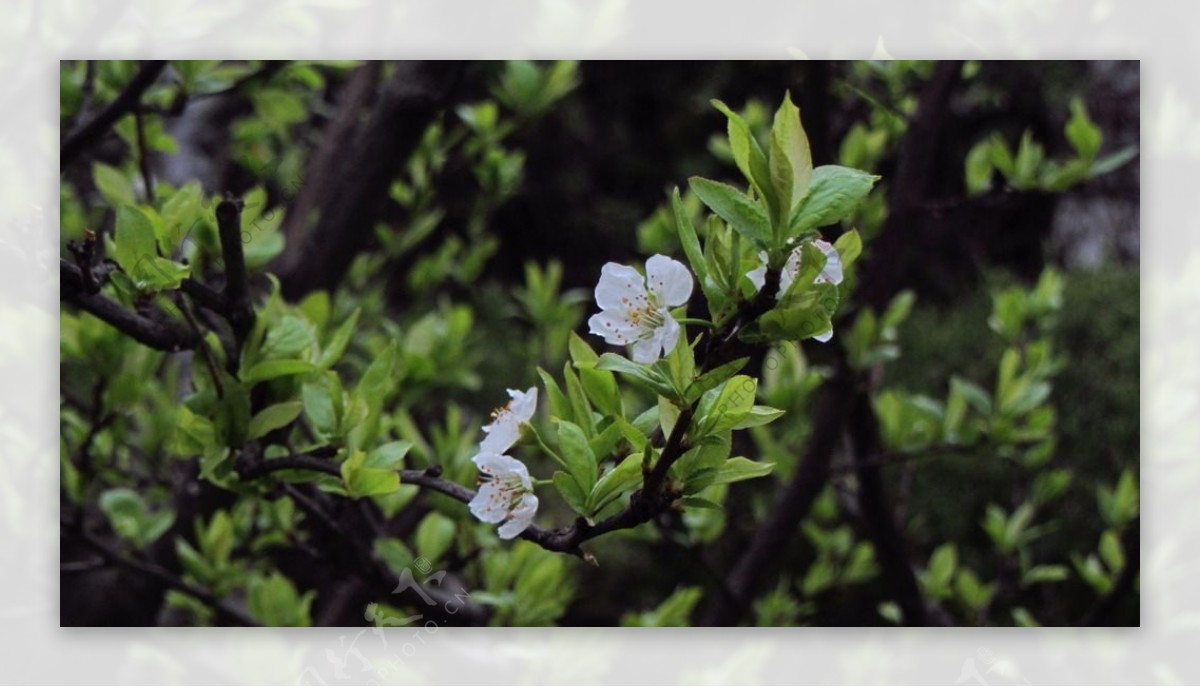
{"points": [[1024, 618], [714, 378], [395, 554], [125, 511], [363, 481], [389, 456], [288, 338], [319, 408], [978, 168], [973, 593], [690, 243], [739, 469], [560, 407], [675, 611], [791, 160], [1040, 574], [274, 601], [942, 564], [849, 246], [1110, 163], [758, 416], [434, 536], [113, 185], [601, 388], [1111, 551], [624, 476], [744, 215], [577, 454], [1082, 133], [336, 347], [798, 316], [747, 154], [272, 369], [724, 408], [571, 492], [581, 353], [832, 196], [136, 245], [581, 409], [273, 417], [604, 443], [646, 376]]}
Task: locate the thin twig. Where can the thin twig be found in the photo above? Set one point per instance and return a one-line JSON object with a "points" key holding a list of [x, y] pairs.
{"points": [[237, 298], [224, 612], [205, 351], [124, 103], [162, 335], [143, 155]]}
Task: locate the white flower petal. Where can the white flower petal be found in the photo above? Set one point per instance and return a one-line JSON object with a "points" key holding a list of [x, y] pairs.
{"points": [[614, 326], [670, 334], [647, 350], [520, 518], [758, 277], [832, 272], [620, 286], [499, 465], [824, 336], [523, 405], [791, 268], [500, 436], [669, 280], [489, 503]]}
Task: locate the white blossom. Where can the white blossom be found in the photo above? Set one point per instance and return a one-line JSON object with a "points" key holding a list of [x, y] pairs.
{"points": [[636, 310], [831, 273], [505, 427], [505, 494]]}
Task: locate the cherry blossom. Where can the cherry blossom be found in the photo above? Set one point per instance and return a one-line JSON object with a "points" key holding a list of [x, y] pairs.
{"points": [[636, 310], [505, 494], [831, 273], [507, 420]]}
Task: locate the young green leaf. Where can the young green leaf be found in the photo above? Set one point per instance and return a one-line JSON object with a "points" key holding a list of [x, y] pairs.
{"points": [[791, 160], [738, 469], [744, 215], [832, 196], [624, 476], [571, 492], [273, 417], [577, 453]]}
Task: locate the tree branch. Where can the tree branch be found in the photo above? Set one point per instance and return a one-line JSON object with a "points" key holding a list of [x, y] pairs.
{"points": [[366, 167], [124, 103], [880, 525], [236, 296], [224, 612], [163, 335], [747, 575]]}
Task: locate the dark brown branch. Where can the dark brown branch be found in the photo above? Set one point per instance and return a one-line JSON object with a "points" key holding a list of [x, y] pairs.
{"points": [[163, 335], [747, 575], [881, 527], [408, 103], [877, 284], [380, 578], [124, 103], [225, 613], [236, 296]]}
